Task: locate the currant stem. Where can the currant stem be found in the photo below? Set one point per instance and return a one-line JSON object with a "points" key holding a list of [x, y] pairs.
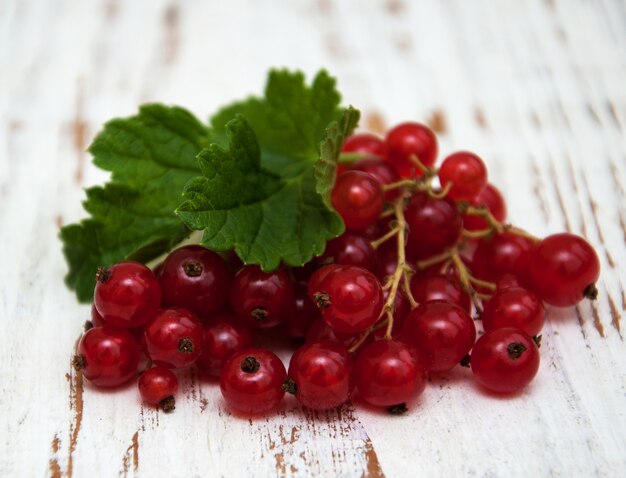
{"points": [[376, 243], [400, 184], [407, 289], [442, 193], [483, 212], [426, 263], [425, 169]]}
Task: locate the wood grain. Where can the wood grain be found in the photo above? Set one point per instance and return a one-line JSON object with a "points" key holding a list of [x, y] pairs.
{"points": [[535, 87]]}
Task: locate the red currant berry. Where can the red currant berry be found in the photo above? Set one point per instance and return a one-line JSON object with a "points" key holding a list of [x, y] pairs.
{"points": [[262, 299], [401, 309], [434, 225], [320, 375], [564, 269], [407, 140], [315, 281], [492, 199], [387, 260], [127, 294], [305, 314], [426, 288], [504, 253], [350, 250], [505, 360], [174, 339], [507, 280], [222, 338], [107, 356], [382, 171], [466, 173], [441, 332], [96, 318], [358, 198], [364, 143], [321, 331], [388, 373], [252, 380], [514, 307], [196, 279], [350, 299], [157, 387]]}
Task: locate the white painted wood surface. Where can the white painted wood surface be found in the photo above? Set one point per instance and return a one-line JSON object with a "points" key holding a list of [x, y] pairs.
{"points": [[536, 87]]}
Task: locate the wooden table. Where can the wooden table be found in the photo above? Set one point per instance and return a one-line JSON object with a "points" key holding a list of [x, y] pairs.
{"points": [[535, 87]]}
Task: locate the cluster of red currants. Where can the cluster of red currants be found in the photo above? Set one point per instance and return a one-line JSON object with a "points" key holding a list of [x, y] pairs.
{"points": [[389, 301]]}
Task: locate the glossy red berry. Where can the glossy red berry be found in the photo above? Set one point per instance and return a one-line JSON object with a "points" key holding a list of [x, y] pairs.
{"points": [[127, 294], [174, 339], [304, 315], [315, 281], [262, 299], [157, 387], [505, 360], [492, 199], [350, 250], [410, 139], [505, 253], [223, 337], [466, 173], [383, 171], [564, 269], [320, 375], [321, 331], [429, 287], [514, 307], [388, 373], [252, 380], [434, 224], [364, 143], [441, 332], [195, 278], [358, 198], [350, 298], [107, 356]]}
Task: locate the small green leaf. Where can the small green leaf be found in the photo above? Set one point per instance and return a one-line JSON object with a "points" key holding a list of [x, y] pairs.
{"points": [[151, 157]]}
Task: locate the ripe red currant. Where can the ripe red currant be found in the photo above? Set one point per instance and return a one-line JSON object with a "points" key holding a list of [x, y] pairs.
{"points": [[441, 332], [505, 360], [350, 299], [428, 287], [222, 338], [364, 143], [514, 307], [321, 331], [127, 294], [504, 253], [382, 171], [195, 278], [252, 380], [320, 375], [410, 139], [262, 299], [358, 198], [388, 373], [174, 338], [157, 387], [107, 356], [467, 174], [564, 269], [350, 250], [305, 314]]}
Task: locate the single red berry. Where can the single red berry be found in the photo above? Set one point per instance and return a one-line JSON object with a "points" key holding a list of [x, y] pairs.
{"points": [[505, 360], [320, 375], [514, 307], [252, 380], [407, 140], [466, 173], [223, 337], [315, 281], [358, 198], [127, 294], [157, 387], [429, 287], [174, 339], [505, 253], [350, 298], [320, 331], [434, 224], [441, 332], [195, 278], [564, 269], [383, 171], [107, 356], [262, 299], [387, 260], [507, 280], [350, 250], [305, 314], [388, 373], [492, 199], [364, 143]]}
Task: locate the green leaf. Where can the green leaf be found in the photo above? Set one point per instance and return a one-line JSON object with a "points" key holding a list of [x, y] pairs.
{"points": [[264, 189], [151, 157]]}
